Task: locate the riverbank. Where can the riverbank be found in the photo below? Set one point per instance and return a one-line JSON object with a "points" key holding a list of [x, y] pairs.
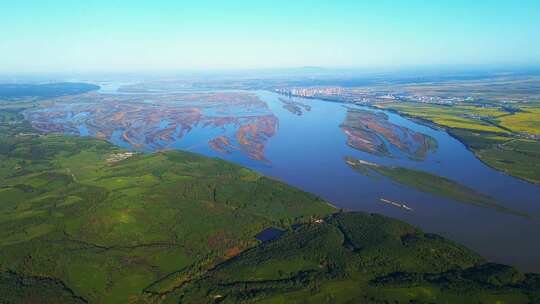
{"points": [[480, 139]]}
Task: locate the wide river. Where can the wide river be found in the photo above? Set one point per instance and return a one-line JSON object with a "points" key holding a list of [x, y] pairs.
{"points": [[308, 151]]}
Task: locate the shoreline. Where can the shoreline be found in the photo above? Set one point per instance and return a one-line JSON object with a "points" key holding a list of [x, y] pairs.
{"points": [[429, 124]]}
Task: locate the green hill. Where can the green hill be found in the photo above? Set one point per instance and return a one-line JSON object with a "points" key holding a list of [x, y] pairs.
{"points": [[82, 221], [110, 224], [360, 258], [43, 91]]}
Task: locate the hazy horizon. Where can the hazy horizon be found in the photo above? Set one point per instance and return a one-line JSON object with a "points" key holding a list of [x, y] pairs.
{"points": [[63, 36]]}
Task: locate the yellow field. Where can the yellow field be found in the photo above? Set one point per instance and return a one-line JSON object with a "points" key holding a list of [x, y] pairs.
{"points": [[459, 116], [527, 121], [511, 154], [453, 117]]}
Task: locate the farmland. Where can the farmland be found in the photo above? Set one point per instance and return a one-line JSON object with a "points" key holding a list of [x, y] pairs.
{"points": [[505, 141]]}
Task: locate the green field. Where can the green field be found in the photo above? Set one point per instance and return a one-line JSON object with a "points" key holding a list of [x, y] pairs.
{"points": [[497, 137], [82, 221], [514, 156]]}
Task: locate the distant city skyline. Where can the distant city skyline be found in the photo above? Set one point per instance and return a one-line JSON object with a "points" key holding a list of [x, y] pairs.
{"points": [[162, 35]]}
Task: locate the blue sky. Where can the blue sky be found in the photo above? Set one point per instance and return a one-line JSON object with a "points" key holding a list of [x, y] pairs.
{"points": [[121, 35]]}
